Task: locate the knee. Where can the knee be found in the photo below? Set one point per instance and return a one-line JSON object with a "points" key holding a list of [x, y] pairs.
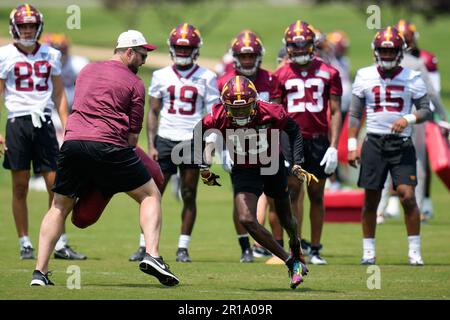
{"points": [[188, 195], [370, 207], [248, 221], [316, 198], [408, 200], [20, 190]]}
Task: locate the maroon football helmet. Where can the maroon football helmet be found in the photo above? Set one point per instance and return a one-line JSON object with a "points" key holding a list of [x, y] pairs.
{"points": [[184, 43], [299, 40], [388, 46], [247, 50], [408, 31], [25, 14], [239, 97]]}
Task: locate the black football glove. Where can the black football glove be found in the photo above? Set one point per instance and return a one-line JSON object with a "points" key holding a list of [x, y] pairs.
{"points": [[209, 178]]}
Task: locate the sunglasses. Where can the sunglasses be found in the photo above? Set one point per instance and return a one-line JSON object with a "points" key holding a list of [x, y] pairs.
{"points": [[143, 55]]}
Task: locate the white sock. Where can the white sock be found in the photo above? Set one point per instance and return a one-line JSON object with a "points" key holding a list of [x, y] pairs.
{"points": [[183, 241], [414, 245], [368, 248], [25, 242], [141, 240], [62, 242]]}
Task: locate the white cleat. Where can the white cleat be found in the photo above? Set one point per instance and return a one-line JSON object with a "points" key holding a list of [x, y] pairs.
{"points": [[415, 259], [317, 260]]}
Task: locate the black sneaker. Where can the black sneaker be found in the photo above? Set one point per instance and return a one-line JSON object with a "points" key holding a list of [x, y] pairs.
{"points": [[41, 279], [158, 268], [260, 252], [138, 255], [27, 253], [183, 255], [67, 253], [247, 256]]}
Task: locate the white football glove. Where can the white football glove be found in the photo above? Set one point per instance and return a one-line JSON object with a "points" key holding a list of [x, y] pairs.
{"points": [[227, 162], [37, 116], [330, 160]]}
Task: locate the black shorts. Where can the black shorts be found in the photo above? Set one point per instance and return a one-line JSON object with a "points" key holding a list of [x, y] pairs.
{"points": [[28, 144], [167, 162], [251, 180], [313, 149], [110, 168], [383, 154]]}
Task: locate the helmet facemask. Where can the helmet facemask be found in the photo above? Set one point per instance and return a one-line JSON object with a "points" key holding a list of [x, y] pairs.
{"points": [[247, 68], [241, 113], [181, 56], [301, 52], [388, 58]]}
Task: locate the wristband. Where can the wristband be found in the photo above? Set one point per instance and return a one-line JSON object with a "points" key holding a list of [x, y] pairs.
{"points": [[410, 118], [352, 144]]}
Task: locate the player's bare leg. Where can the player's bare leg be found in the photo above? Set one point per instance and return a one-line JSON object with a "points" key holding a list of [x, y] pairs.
{"points": [[189, 182], [20, 181], [246, 205], [261, 209], [369, 224], [243, 238], [296, 192], [316, 215], [140, 253], [51, 229], [412, 221]]}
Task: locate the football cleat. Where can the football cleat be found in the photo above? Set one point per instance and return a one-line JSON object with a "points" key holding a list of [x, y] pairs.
{"points": [[158, 268], [183, 255], [260, 252], [368, 261], [415, 259], [68, 254], [247, 256], [138, 255], [296, 272], [41, 279], [315, 258], [27, 253]]}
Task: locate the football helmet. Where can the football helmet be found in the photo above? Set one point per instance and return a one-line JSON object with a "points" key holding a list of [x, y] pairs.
{"points": [[247, 50], [339, 42], [58, 41], [184, 44], [299, 40], [239, 98], [25, 14], [388, 46], [408, 31]]}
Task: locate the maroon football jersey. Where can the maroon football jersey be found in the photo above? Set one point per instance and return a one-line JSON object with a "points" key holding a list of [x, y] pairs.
{"points": [[252, 141], [429, 59], [306, 93], [265, 83]]}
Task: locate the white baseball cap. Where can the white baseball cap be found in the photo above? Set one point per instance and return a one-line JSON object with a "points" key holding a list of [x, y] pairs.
{"points": [[133, 38]]}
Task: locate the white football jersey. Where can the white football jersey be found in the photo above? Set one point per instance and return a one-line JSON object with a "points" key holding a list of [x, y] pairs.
{"points": [[186, 96], [28, 83], [69, 73], [387, 100]]}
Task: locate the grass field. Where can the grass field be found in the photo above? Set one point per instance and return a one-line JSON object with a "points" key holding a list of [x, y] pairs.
{"points": [[216, 272]]}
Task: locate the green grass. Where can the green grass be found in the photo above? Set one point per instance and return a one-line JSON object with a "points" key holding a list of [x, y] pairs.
{"points": [[216, 272]]}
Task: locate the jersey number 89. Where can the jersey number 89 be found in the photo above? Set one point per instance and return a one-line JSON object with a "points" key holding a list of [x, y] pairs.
{"points": [[24, 73]]}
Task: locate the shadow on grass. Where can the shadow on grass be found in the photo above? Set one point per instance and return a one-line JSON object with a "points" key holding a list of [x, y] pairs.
{"points": [[286, 289], [130, 285]]}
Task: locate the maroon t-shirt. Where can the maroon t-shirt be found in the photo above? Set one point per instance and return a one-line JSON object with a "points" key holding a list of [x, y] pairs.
{"points": [[108, 104]]}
